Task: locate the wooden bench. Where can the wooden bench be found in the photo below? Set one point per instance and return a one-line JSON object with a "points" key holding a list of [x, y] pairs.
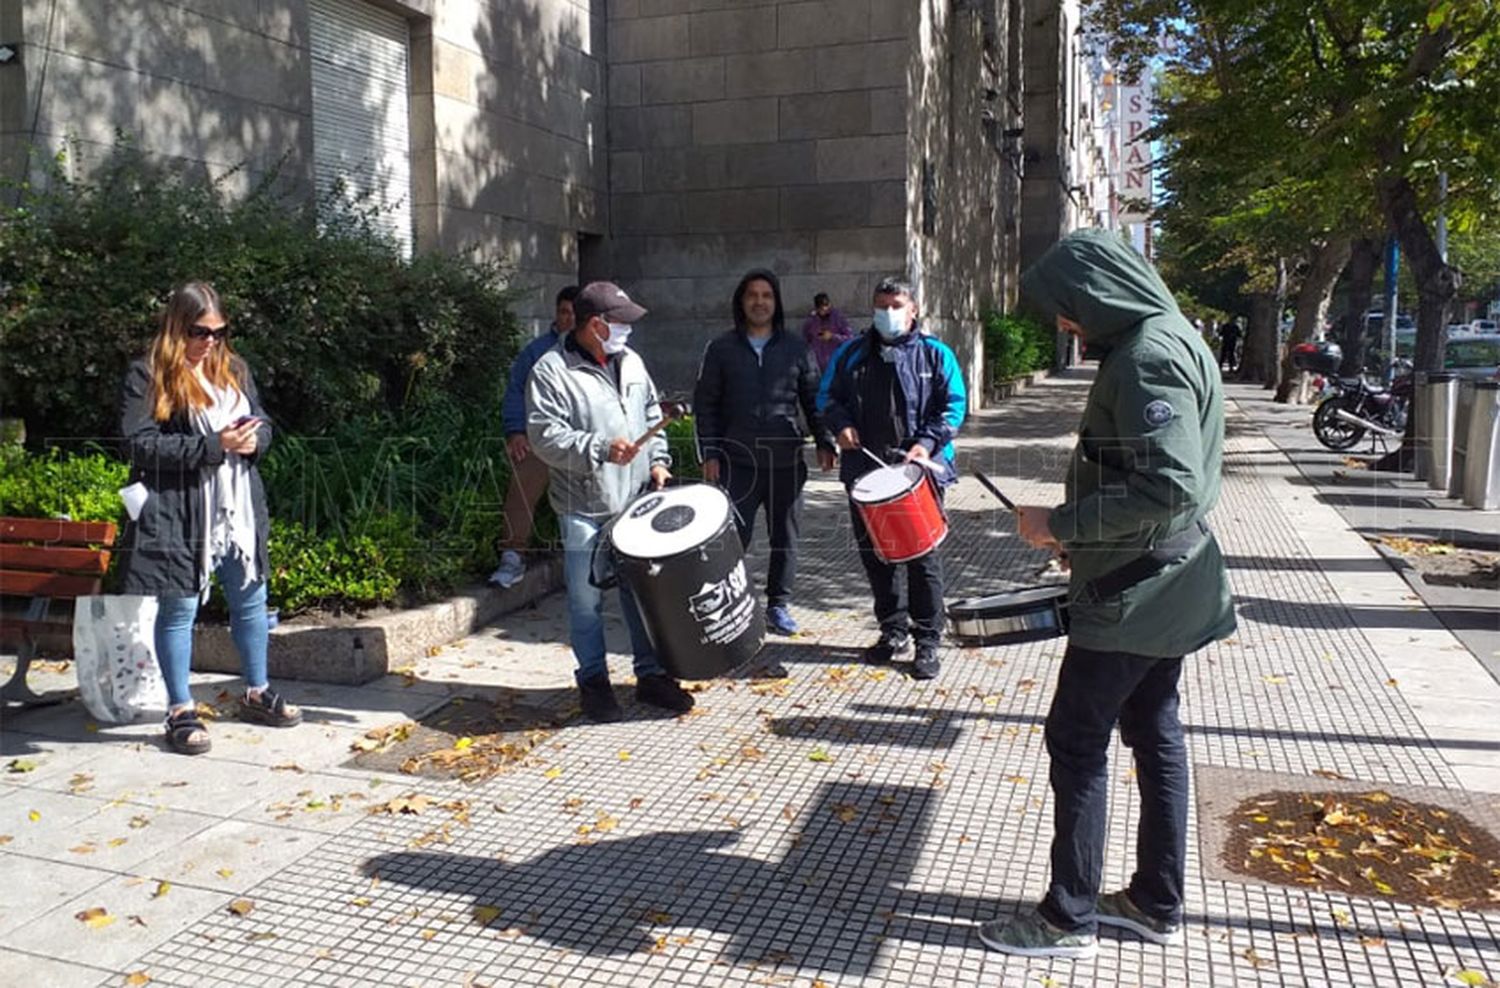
{"points": [[46, 560]]}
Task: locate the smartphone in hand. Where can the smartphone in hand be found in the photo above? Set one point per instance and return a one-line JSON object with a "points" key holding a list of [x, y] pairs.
{"points": [[244, 420]]}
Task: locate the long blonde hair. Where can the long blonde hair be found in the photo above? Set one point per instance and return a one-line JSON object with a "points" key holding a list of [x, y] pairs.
{"points": [[174, 386]]}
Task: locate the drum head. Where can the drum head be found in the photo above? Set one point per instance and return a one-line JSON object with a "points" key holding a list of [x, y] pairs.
{"points": [[1010, 601], [663, 523], [885, 483]]}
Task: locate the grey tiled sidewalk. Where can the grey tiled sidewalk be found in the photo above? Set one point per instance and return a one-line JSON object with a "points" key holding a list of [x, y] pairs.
{"points": [[848, 827]]}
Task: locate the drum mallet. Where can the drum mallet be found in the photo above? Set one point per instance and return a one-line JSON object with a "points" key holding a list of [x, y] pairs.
{"points": [[1009, 504]]}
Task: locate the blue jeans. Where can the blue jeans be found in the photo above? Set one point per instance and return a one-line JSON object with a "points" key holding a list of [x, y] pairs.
{"points": [[1095, 690], [247, 626], [586, 605]]}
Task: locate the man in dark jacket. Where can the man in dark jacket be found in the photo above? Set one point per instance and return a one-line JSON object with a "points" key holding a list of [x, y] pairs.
{"points": [[754, 381], [1147, 587], [895, 388]]}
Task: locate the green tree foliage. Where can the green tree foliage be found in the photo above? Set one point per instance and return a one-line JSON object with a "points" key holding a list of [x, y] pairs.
{"points": [[1286, 120]]}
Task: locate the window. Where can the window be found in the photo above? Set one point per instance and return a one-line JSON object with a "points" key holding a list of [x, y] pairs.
{"points": [[361, 139]]}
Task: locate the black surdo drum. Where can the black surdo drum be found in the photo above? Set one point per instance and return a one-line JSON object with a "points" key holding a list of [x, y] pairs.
{"points": [[1011, 616], [678, 551]]}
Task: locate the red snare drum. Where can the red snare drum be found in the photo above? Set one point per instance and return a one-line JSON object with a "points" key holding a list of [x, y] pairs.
{"points": [[901, 511]]}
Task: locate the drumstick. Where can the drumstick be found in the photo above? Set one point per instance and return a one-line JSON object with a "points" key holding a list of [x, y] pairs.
{"points": [[866, 450], [1009, 504], [671, 410]]}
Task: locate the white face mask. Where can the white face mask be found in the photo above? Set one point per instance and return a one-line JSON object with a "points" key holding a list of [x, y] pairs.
{"points": [[890, 323], [619, 333]]}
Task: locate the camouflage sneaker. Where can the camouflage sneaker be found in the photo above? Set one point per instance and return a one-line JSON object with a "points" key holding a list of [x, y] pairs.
{"points": [[1117, 909], [1029, 935]]}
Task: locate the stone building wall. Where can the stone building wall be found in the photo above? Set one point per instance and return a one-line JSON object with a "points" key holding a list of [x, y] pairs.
{"points": [[506, 114], [766, 134]]}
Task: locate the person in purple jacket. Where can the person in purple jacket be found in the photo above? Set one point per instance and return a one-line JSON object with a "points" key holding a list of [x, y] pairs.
{"points": [[825, 330], [528, 474]]}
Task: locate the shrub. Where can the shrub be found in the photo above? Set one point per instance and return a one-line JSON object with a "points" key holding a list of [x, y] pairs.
{"points": [[85, 487], [683, 444], [1014, 345], [332, 319]]}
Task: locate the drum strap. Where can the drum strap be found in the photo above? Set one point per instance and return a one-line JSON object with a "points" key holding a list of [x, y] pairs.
{"points": [[1164, 553]]}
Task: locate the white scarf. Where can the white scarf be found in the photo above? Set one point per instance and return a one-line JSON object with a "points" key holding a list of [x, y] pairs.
{"points": [[228, 508]]}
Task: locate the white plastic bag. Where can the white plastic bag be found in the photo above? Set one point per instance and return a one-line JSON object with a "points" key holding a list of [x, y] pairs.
{"points": [[114, 654]]}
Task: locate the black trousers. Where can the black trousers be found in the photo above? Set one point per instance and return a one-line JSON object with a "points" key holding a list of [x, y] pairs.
{"points": [[756, 486], [922, 615], [1096, 690]]}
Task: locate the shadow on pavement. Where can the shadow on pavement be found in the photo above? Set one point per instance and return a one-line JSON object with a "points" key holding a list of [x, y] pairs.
{"points": [[829, 904]]}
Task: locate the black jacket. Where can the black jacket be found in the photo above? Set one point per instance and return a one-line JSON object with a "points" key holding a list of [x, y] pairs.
{"points": [[745, 404], [160, 551]]}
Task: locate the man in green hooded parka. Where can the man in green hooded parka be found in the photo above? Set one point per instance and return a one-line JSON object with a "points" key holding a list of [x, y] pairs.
{"points": [[1147, 586]]}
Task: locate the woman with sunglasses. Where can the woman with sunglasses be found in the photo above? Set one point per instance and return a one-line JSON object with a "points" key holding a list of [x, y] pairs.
{"points": [[194, 427]]}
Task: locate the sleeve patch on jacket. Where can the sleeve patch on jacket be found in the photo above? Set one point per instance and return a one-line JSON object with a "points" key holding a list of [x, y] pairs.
{"points": [[1159, 412]]}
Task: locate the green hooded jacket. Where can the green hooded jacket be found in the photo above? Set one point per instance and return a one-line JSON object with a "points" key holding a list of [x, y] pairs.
{"points": [[1150, 448]]}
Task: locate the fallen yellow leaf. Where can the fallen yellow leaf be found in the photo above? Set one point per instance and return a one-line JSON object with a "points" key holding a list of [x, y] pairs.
{"points": [[94, 918], [224, 872], [241, 907], [137, 978], [623, 755], [485, 915], [162, 888], [34, 816], [463, 744], [552, 772]]}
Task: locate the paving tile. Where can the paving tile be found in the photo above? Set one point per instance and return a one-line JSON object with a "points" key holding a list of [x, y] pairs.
{"points": [[21, 968], [34, 886], [230, 856], [141, 918]]}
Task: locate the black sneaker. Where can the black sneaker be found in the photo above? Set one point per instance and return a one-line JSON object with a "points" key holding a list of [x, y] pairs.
{"points": [[926, 665], [663, 691], [597, 698], [891, 644]]}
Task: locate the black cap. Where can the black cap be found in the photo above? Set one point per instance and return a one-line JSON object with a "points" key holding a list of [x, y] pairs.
{"points": [[606, 300]]}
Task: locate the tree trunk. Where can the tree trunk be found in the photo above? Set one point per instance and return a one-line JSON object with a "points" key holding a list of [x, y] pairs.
{"points": [[1259, 358], [1437, 287], [1328, 263], [1364, 260]]}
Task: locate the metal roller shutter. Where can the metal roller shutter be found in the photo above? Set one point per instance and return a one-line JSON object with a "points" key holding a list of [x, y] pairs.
{"points": [[359, 99]]}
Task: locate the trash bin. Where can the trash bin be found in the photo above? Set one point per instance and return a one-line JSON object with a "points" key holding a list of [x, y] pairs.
{"points": [[1482, 462], [1461, 415], [1437, 403]]}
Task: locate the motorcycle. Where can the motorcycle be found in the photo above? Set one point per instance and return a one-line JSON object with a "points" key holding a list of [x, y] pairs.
{"points": [[1354, 407]]}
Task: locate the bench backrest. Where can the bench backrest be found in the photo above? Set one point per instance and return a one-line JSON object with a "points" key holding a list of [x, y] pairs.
{"points": [[49, 557]]}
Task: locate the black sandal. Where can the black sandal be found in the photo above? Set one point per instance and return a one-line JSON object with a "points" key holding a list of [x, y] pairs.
{"points": [[181, 727], [270, 708]]}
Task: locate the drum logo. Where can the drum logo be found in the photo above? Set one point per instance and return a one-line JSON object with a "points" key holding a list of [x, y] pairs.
{"points": [[723, 608]]}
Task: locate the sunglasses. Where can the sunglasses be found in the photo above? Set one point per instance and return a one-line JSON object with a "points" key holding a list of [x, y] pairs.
{"points": [[208, 333]]}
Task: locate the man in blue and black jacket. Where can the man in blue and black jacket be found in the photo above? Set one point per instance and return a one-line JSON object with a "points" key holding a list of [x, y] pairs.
{"points": [[893, 388], [754, 407], [528, 474]]}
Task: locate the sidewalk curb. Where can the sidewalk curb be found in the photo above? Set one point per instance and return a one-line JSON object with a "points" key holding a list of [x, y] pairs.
{"points": [[366, 650]]}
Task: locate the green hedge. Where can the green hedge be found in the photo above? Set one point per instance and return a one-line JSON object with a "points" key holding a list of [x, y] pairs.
{"points": [[84, 487], [1015, 345], [332, 319]]}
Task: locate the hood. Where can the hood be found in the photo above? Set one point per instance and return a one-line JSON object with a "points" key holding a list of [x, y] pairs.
{"points": [[1099, 281], [778, 321]]}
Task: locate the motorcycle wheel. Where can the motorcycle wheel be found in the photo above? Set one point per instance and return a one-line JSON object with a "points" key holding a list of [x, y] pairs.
{"points": [[1332, 431]]}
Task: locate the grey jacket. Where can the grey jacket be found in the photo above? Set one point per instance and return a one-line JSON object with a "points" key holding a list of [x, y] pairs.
{"points": [[574, 410]]}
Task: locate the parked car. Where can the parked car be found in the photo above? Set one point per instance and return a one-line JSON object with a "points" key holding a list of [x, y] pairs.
{"points": [[1485, 326], [1475, 357]]}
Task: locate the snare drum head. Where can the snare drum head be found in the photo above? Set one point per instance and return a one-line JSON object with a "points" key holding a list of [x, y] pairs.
{"points": [[1010, 601], [881, 485], [663, 523]]}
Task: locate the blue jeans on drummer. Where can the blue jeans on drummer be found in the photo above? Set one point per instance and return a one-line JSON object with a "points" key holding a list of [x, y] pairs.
{"points": [[1096, 691], [580, 534], [247, 627]]}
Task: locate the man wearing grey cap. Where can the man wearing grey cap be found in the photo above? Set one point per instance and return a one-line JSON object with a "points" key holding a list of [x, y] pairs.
{"points": [[585, 400]]}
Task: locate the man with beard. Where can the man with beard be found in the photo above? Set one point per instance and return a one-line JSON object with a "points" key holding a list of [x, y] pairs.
{"points": [[754, 380]]}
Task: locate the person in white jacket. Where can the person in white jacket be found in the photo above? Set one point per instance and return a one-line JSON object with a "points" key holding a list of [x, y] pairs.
{"points": [[585, 401]]}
